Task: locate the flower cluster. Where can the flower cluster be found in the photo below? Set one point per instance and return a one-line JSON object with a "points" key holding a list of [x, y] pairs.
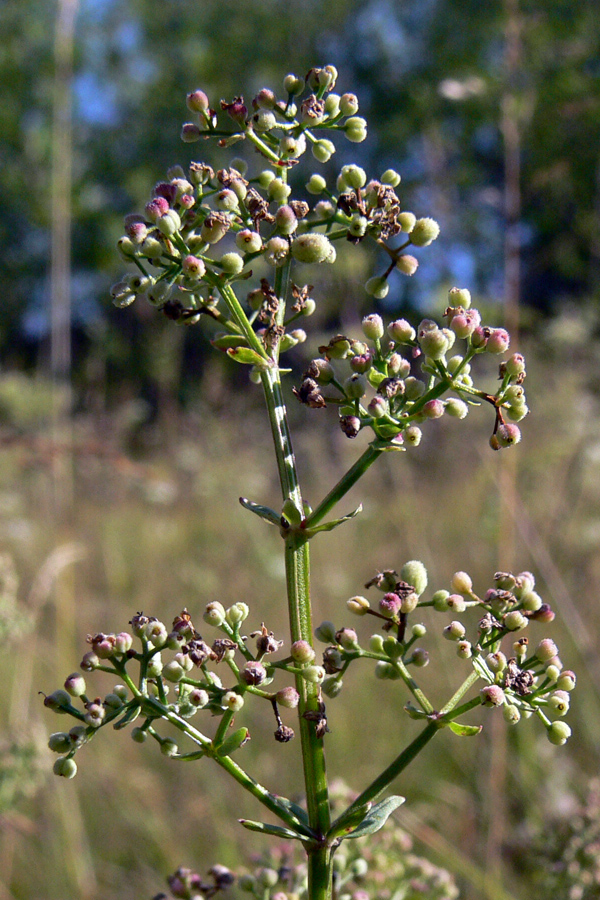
{"points": [[202, 230], [382, 368], [516, 678], [189, 673]]}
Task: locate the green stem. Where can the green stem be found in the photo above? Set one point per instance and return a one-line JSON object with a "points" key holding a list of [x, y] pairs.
{"points": [[412, 686], [346, 482], [377, 787], [246, 781], [470, 680], [297, 566], [240, 318]]}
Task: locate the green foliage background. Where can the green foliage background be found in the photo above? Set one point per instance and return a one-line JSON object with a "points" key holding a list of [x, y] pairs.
{"points": [[133, 505]]}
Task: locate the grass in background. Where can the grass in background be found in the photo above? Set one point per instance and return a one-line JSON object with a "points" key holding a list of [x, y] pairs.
{"points": [[155, 534]]}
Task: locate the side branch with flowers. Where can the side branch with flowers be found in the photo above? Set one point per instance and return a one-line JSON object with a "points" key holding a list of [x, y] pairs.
{"points": [[201, 237]]}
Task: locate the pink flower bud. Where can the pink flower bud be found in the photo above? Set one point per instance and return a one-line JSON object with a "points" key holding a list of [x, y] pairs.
{"points": [[498, 341], [197, 101], [492, 695]]}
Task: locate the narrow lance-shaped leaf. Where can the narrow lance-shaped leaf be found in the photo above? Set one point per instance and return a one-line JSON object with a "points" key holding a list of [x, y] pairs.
{"points": [[464, 730], [248, 357], [329, 526], [233, 742], [377, 817], [264, 512], [348, 820], [276, 830]]}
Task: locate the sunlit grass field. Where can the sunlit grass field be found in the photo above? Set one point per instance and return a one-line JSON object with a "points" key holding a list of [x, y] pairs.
{"points": [[147, 518]]}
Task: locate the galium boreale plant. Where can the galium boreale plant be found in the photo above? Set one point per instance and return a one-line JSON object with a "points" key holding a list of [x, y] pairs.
{"points": [[193, 253]]}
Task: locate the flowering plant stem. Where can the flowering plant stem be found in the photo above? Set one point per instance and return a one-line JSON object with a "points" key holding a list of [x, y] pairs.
{"points": [[297, 568]]}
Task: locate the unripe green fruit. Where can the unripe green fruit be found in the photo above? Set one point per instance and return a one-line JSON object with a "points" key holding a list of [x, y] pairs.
{"points": [[313, 674], [169, 224], [316, 184], [311, 248], [391, 177], [139, 735], [511, 713], [237, 613], [407, 221], [459, 297], [248, 241], [214, 614], [386, 671], [566, 681], [233, 701], [332, 105], [376, 643], [354, 176], [355, 129], [425, 231], [173, 671], [558, 733], [325, 632], [301, 652], [267, 878], [278, 190], [263, 120], [456, 408], [420, 657], [515, 620], [323, 150], [348, 104], [377, 287], [169, 748], [372, 327], [355, 386], [414, 388], [60, 742], [461, 583], [415, 574], [440, 600], [232, 264], [65, 767]]}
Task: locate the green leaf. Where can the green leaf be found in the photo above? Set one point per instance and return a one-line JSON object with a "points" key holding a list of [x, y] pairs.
{"points": [[348, 820], [233, 742], [265, 512], [227, 341], [248, 357], [300, 814], [464, 730], [329, 526], [130, 716], [276, 830], [377, 817]]}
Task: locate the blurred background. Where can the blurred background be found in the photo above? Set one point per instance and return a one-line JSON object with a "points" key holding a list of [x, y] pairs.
{"points": [[126, 440]]}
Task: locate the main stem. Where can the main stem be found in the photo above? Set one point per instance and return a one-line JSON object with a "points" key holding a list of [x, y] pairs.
{"points": [[297, 567]]}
